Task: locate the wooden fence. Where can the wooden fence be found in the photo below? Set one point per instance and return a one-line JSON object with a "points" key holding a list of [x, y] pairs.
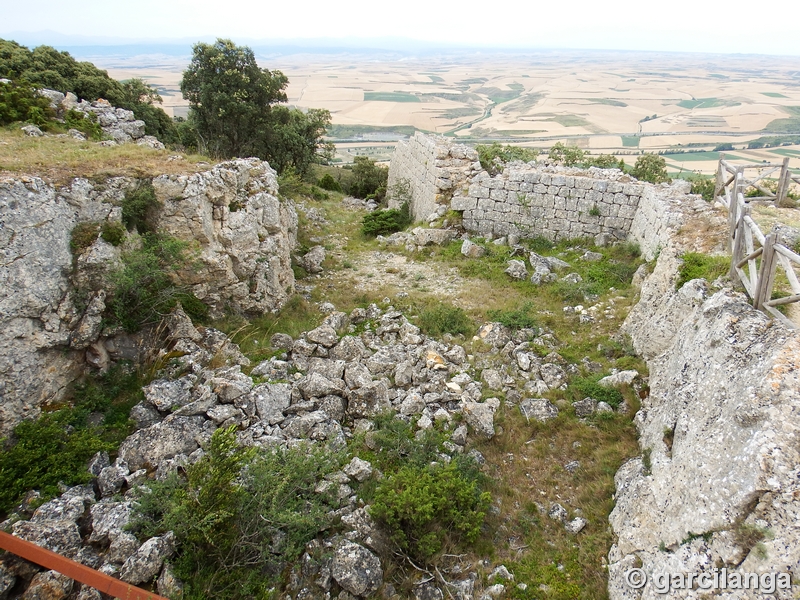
{"points": [[755, 257]]}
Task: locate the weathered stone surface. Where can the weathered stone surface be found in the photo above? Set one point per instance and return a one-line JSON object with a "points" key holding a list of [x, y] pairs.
{"points": [[356, 569], [369, 400], [472, 250], [325, 335], [358, 469], [271, 400], [433, 237], [585, 407], [538, 409], [169, 394], [619, 379], [48, 585], [480, 416], [148, 560], [61, 536], [312, 260], [516, 270], [316, 386], [148, 447]]}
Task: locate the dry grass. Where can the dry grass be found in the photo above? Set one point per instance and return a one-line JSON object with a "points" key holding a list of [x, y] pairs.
{"points": [[59, 160]]}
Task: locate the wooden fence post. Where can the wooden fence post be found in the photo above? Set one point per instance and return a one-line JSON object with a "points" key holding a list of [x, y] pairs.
{"points": [[733, 210], [738, 244], [766, 274], [783, 183]]}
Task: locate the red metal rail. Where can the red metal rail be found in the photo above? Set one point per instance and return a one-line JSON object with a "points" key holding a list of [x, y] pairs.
{"points": [[74, 570]]}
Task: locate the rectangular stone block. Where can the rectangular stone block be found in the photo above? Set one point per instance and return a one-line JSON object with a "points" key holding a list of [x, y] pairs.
{"points": [[545, 178], [512, 186], [600, 185], [583, 183], [540, 188], [498, 194], [558, 180], [478, 191], [531, 177], [525, 187], [615, 187], [463, 203]]}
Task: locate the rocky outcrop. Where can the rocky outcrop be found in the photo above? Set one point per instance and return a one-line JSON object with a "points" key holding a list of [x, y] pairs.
{"points": [[51, 302], [718, 481], [244, 232]]}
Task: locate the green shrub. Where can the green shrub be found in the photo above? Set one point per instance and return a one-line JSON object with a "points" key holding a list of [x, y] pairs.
{"points": [[83, 235], [327, 182], [396, 444], [652, 168], [86, 123], [604, 161], [136, 205], [582, 387], [382, 222], [239, 517], [488, 153], [519, 318], [113, 232], [701, 266], [567, 155], [445, 318], [703, 186], [368, 179], [56, 447], [19, 102], [426, 508], [143, 288]]}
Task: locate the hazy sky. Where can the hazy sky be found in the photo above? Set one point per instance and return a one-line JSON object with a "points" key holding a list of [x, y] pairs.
{"points": [[678, 25]]}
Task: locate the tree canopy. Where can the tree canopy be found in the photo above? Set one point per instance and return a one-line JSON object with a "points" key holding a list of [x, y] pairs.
{"points": [[237, 110], [44, 66]]}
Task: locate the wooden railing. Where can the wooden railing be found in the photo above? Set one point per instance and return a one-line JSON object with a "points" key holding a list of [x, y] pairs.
{"points": [[755, 257], [728, 173], [74, 570]]}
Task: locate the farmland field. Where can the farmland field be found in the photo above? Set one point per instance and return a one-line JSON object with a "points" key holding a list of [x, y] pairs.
{"points": [[622, 103]]}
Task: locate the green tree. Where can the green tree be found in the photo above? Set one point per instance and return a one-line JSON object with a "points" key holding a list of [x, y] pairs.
{"points": [[652, 168], [236, 110], [567, 155], [369, 180]]}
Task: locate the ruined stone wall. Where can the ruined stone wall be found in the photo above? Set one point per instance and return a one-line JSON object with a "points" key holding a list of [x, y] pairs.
{"points": [[434, 168], [551, 202]]}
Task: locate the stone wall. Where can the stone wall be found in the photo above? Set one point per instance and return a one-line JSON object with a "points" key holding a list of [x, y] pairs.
{"points": [[435, 169], [553, 202], [231, 214]]}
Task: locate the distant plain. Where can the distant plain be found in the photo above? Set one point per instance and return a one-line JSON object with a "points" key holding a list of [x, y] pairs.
{"points": [[623, 103]]}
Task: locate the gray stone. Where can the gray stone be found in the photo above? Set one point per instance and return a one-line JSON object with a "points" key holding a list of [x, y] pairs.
{"points": [[32, 131], [146, 563], [356, 375], [516, 270], [174, 435], [356, 569], [168, 585], [122, 547], [324, 335], [472, 250], [358, 469], [109, 520], [538, 409], [435, 237], [427, 591], [585, 407], [558, 512], [576, 525], [312, 260], [619, 379], [480, 416], [281, 341], [492, 378], [167, 395], [7, 581], [553, 375], [61, 537], [369, 400], [590, 256], [112, 478], [316, 386]]}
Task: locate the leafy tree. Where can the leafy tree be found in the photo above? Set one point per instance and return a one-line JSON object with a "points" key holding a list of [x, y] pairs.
{"points": [[652, 168], [19, 102], [568, 155], [488, 153], [236, 111], [369, 180]]}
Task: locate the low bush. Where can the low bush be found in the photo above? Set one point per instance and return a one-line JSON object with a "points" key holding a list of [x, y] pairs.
{"points": [[383, 222], [327, 182], [136, 205], [19, 102], [567, 155], [56, 447], [425, 509], [488, 153], [86, 123], [144, 288], [520, 318], [701, 266], [239, 517], [703, 186], [652, 168], [583, 387], [83, 235], [445, 318]]}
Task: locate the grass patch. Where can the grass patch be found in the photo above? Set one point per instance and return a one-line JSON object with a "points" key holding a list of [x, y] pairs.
{"points": [[788, 125], [60, 160], [351, 131], [704, 103], [437, 319], [692, 156], [523, 317], [583, 387], [701, 266], [773, 95]]}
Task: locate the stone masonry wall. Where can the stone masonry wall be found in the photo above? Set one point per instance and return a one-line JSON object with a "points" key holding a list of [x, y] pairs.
{"points": [[435, 169], [552, 202]]}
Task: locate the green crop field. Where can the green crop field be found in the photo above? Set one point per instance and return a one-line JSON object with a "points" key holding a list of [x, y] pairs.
{"points": [[773, 95], [702, 103], [608, 101], [687, 156], [630, 141], [390, 97]]}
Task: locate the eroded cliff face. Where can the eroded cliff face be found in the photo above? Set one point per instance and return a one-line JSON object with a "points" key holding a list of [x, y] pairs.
{"points": [[721, 428], [231, 216]]}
